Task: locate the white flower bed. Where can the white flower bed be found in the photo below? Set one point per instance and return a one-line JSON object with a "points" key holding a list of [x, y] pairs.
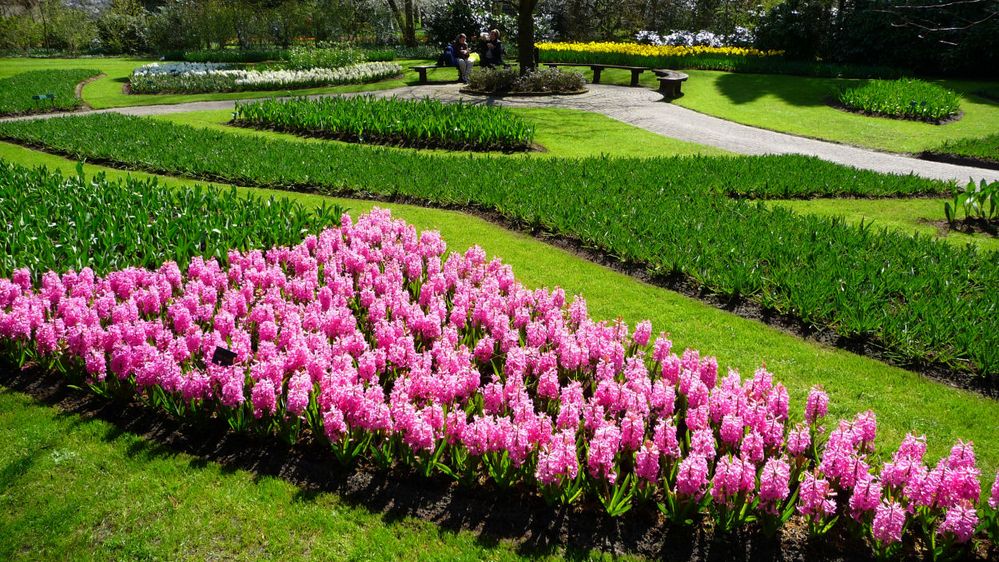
{"points": [[741, 37], [177, 68], [212, 77]]}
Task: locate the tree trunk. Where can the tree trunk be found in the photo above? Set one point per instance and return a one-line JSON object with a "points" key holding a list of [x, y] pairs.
{"points": [[409, 31], [525, 35], [405, 18]]}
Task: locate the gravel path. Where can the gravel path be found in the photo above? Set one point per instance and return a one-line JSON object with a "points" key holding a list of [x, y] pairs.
{"points": [[644, 108]]}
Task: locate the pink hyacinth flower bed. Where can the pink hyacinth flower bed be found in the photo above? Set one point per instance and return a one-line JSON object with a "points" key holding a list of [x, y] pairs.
{"points": [[374, 338]]}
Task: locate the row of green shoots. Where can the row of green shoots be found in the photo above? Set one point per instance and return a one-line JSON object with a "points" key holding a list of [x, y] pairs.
{"points": [[424, 123]]}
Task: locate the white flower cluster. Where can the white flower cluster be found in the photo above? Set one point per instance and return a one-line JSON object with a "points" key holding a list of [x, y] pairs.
{"points": [[175, 68], [354, 74], [741, 37], [212, 77]]}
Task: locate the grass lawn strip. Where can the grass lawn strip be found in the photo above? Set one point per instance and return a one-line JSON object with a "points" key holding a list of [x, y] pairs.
{"points": [[577, 199], [904, 401], [78, 488]]}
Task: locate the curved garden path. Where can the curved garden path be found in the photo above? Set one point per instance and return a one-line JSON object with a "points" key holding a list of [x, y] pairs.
{"points": [[645, 108]]}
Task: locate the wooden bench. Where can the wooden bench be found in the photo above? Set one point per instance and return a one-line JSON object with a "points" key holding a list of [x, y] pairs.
{"points": [[422, 70], [636, 71], [669, 82]]}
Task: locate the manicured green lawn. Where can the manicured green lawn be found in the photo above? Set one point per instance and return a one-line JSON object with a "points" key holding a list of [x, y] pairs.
{"points": [[797, 105], [563, 132], [904, 215], [107, 91], [903, 401], [76, 489]]}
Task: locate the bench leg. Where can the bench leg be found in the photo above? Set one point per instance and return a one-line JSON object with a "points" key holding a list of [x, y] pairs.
{"points": [[596, 74], [634, 77], [423, 75]]}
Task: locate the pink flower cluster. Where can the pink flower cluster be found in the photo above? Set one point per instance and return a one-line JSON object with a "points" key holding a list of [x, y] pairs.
{"points": [[376, 337]]}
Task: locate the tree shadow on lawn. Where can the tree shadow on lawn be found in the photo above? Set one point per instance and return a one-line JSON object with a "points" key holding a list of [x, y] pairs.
{"points": [[801, 91], [490, 514]]}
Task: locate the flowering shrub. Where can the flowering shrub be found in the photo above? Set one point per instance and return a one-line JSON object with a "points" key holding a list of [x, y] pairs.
{"points": [[376, 340], [640, 50], [158, 78], [741, 37]]}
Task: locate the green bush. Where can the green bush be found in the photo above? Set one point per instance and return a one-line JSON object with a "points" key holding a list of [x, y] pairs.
{"points": [[906, 98], [16, 92], [509, 80], [423, 123], [919, 299], [76, 222]]}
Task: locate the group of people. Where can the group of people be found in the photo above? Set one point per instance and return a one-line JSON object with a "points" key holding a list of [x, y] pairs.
{"points": [[459, 53]]}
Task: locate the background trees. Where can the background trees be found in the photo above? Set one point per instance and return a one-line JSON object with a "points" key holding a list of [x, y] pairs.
{"points": [[929, 36]]}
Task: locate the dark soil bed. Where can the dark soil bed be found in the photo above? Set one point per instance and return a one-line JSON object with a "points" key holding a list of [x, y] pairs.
{"points": [[966, 226], [959, 160]]}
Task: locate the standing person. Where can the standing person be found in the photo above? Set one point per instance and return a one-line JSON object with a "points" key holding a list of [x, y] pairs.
{"points": [[493, 55], [461, 53]]}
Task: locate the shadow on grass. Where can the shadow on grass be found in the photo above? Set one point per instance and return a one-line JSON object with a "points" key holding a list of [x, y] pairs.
{"points": [[491, 515], [795, 90]]}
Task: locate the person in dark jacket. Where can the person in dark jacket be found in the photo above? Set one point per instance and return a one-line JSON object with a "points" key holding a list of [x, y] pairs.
{"points": [[492, 53], [461, 52]]}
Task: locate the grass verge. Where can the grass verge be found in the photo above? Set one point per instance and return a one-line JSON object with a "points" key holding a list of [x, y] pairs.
{"points": [[78, 489]]}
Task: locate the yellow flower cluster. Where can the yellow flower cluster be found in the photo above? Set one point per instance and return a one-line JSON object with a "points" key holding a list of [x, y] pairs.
{"points": [[636, 49]]}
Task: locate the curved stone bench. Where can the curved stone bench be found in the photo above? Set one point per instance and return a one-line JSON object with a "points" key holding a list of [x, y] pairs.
{"points": [[670, 82]]}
